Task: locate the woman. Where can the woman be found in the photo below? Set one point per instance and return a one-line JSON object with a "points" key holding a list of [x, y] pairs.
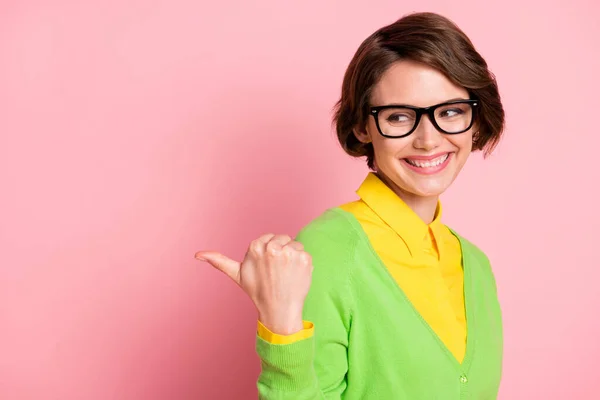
{"points": [[399, 306]]}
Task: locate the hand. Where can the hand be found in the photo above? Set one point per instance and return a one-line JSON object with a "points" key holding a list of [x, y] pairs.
{"points": [[276, 273]]}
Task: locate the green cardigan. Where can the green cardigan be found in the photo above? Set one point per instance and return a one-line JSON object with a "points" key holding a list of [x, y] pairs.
{"points": [[369, 341]]}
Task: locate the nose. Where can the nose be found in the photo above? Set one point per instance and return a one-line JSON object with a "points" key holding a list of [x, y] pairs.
{"points": [[426, 136]]}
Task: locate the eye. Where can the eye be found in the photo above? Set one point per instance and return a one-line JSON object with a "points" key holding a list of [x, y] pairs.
{"points": [[399, 118], [450, 112]]}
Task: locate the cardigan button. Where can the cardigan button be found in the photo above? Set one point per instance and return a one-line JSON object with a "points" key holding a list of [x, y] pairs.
{"points": [[463, 379]]}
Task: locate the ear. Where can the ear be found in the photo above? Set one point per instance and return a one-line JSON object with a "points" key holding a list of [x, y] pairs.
{"points": [[475, 130], [362, 135]]}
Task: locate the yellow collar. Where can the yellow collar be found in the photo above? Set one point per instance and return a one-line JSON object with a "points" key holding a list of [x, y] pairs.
{"points": [[398, 215]]}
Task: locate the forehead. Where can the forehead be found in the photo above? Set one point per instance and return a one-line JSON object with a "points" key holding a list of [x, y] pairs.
{"points": [[412, 83]]}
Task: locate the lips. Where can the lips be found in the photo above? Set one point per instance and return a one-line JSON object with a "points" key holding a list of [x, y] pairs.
{"points": [[421, 163], [428, 165]]}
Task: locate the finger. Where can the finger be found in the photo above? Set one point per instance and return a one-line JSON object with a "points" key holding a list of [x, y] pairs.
{"points": [[295, 245], [265, 238], [229, 267], [257, 246], [277, 242]]}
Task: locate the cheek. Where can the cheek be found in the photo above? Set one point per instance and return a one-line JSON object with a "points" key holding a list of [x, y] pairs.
{"points": [[464, 143], [388, 151], [385, 148]]}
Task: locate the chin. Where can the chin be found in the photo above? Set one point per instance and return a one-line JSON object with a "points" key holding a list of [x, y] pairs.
{"points": [[427, 192], [424, 186], [420, 185]]}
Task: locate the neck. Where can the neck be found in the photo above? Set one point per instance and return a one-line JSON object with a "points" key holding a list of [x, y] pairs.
{"points": [[423, 206]]}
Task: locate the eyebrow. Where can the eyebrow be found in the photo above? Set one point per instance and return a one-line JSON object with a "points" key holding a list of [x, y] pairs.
{"points": [[411, 105]]}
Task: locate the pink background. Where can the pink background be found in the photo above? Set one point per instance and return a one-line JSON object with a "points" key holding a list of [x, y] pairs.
{"points": [[132, 135]]}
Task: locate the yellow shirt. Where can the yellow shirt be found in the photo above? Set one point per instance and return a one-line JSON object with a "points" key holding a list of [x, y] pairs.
{"points": [[425, 261]]}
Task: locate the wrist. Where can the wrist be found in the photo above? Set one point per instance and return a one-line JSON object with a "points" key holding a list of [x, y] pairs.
{"points": [[283, 323]]}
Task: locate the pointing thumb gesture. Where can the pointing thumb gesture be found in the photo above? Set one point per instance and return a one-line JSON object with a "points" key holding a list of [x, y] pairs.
{"points": [[276, 274], [229, 267]]}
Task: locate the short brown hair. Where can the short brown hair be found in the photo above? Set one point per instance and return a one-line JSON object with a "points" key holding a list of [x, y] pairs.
{"points": [[430, 39]]}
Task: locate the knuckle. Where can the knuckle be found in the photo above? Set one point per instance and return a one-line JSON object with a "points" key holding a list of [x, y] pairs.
{"points": [[305, 258], [266, 237], [273, 247], [289, 251], [256, 247], [281, 239]]}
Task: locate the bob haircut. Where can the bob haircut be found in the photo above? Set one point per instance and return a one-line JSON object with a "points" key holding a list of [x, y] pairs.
{"points": [[430, 39]]}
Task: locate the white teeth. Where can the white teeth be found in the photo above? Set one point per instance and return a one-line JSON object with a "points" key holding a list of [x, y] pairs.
{"points": [[428, 164]]}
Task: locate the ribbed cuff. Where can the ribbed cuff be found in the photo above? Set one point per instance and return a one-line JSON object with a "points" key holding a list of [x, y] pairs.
{"points": [[287, 367]]}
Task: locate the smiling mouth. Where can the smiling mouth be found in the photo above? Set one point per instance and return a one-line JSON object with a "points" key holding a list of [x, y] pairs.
{"points": [[429, 163]]}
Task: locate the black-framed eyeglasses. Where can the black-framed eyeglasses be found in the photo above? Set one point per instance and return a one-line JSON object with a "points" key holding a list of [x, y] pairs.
{"points": [[397, 120]]}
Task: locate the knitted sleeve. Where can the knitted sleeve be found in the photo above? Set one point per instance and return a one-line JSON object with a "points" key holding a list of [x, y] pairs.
{"points": [[315, 367]]}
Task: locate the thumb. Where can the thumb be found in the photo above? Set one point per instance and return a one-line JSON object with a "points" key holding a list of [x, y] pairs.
{"points": [[229, 267]]}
